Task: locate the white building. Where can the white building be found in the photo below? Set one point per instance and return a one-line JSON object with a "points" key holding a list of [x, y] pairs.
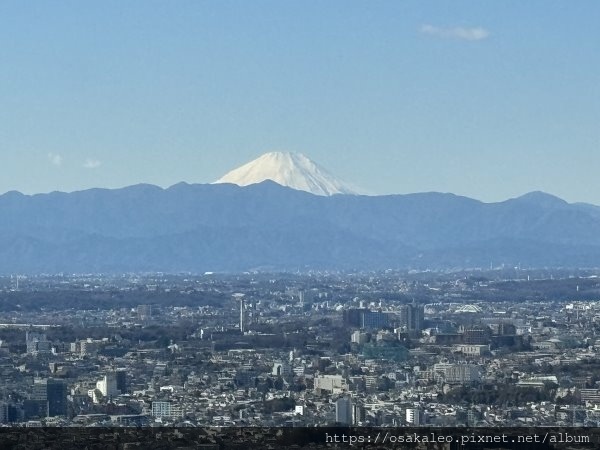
{"points": [[334, 384], [281, 369], [413, 416], [359, 337], [457, 373], [472, 350], [95, 395], [166, 409], [108, 385]]}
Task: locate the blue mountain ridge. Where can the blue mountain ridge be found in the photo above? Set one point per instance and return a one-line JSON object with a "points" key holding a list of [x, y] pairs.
{"points": [[224, 227]]}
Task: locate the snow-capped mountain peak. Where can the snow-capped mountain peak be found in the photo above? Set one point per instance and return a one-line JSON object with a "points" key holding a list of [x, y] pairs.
{"points": [[293, 170]]}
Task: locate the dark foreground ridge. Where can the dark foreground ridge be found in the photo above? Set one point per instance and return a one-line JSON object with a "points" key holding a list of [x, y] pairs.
{"points": [[299, 438]]}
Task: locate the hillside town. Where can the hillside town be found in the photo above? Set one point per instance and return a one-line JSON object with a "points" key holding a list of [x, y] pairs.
{"points": [[481, 348]]}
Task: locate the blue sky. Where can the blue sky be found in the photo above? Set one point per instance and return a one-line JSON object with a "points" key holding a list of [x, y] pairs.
{"points": [[484, 99]]}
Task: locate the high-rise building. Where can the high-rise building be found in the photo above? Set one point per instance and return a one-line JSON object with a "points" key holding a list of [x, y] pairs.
{"points": [[34, 409], [52, 393], [87, 347], [359, 414], [411, 318], [365, 318], [359, 337], [242, 314], [36, 342], [507, 329], [57, 398], [343, 411], [3, 412], [240, 299], [144, 312], [477, 335], [121, 377], [413, 416], [108, 385], [352, 316], [374, 319]]}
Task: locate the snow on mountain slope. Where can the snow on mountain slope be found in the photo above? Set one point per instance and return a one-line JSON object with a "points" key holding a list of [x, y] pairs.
{"points": [[293, 170]]}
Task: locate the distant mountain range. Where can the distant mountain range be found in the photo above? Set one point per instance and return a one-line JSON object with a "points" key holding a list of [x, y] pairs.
{"points": [[224, 227]]}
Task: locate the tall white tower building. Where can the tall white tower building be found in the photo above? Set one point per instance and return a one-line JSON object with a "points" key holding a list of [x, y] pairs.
{"points": [[240, 299]]}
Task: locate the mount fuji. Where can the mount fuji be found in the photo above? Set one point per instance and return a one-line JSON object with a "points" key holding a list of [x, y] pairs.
{"points": [[293, 170]]}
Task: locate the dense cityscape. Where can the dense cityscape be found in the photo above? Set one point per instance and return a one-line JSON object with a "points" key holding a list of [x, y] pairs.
{"points": [[498, 347]]}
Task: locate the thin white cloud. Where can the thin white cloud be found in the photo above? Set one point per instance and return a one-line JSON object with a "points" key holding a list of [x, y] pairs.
{"points": [[55, 159], [92, 163], [466, 34]]}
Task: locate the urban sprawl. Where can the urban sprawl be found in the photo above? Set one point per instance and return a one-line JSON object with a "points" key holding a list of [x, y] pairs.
{"points": [[499, 347]]}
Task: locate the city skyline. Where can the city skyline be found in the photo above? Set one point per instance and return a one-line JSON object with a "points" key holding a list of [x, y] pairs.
{"points": [[486, 101]]}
